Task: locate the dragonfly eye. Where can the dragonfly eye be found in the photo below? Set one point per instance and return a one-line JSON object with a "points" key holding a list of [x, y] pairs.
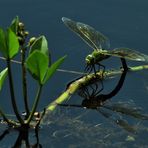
{"points": [[89, 59]]}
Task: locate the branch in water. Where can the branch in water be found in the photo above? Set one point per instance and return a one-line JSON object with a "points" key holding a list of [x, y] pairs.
{"points": [[75, 85]]}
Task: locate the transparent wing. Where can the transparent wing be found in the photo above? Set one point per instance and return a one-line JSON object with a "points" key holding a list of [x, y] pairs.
{"points": [[110, 114], [93, 38], [127, 53], [115, 118], [97, 39], [127, 109]]}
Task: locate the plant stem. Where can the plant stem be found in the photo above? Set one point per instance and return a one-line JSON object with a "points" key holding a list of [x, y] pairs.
{"points": [[12, 92], [35, 104], [74, 86], [24, 79]]}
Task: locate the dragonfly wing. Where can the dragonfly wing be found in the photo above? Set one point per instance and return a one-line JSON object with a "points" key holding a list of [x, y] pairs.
{"points": [[127, 53], [125, 125], [95, 38], [104, 113], [127, 109], [92, 37], [115, 118], [72, 25]]}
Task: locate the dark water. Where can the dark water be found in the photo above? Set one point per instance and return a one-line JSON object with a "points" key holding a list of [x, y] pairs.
{"points": [[125, 23]]}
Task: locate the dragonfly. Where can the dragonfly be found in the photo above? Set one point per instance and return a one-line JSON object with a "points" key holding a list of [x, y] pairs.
{"points": [[100, 45]]}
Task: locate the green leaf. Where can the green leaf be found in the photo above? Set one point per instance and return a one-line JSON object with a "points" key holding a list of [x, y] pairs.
{"points": [[37, 64], [3, 75], [3, 45], [52, 69], [9, 45], [14, 24], [12, 43], [41, 45]]}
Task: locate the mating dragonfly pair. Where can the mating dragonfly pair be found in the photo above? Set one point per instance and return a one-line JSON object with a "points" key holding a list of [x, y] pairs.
{"points": [[99, 43]]}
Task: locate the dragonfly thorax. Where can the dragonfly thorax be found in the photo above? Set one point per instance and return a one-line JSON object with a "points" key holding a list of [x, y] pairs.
{"points": [[95, 58]]}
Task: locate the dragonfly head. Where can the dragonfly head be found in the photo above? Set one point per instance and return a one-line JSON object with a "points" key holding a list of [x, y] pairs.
{"points": [[87, 103], [91, 103], [90, 60]]}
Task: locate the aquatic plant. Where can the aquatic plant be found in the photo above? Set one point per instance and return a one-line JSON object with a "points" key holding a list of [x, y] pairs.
{"points": [[36, 60], [37, 63]]}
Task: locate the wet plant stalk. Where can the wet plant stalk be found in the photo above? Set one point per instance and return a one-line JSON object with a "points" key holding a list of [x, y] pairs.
{"points": [[86, 80], [12, 92], [24, 80], [35, 104]]}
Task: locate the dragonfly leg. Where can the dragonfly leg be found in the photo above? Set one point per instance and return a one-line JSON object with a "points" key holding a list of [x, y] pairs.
{"points": [[88, 95], [86, 68], [98, 91], [94, 68], [103, 70], [84, 92], [96, 87], [89, 68], [81, 93], [93, 92]]}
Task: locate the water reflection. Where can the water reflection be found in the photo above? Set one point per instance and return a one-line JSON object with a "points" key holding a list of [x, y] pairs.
{"points": [[100, 102], [73, 127], [70, 128], [24, 131], [23, 137]]}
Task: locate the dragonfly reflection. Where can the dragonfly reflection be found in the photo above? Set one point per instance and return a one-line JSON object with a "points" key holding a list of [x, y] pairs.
{"points": [[113, 111], [94, 100]]}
